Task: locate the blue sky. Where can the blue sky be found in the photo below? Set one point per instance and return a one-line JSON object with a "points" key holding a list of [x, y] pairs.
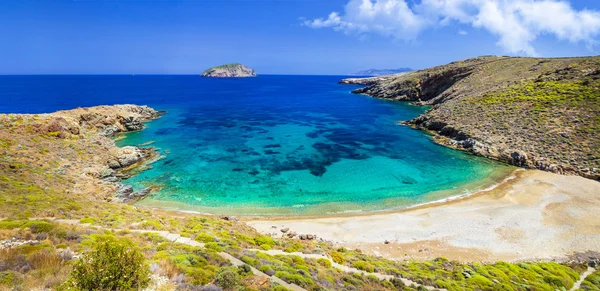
{"points": [[284, 37]]}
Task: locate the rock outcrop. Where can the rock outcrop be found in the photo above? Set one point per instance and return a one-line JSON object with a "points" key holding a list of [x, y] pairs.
{"points": [[76, 145], [529, 112], [229, 71]]}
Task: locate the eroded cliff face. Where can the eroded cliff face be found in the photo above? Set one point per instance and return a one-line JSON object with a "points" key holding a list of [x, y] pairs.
{"points": [[229, 71], [528, 112]]}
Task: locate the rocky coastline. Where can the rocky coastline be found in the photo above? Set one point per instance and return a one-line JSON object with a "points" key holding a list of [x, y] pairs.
{"points": [[528, 112], [78, 145]]}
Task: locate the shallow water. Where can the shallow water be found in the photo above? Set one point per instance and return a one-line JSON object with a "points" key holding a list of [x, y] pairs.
{"points": [[271, 145]]}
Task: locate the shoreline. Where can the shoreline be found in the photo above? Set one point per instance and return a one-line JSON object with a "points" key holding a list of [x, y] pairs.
{"points": [[535, 216], [176, 206]]}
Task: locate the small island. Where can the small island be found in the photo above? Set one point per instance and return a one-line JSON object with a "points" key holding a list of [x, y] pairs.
{"points": [[235, 70]]}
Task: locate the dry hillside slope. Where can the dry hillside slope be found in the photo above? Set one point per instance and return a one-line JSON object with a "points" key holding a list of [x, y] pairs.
{"points": [[530, 112]]}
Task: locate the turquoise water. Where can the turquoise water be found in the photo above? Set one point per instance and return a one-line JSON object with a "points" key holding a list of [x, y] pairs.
{"points": [[296, 145]]}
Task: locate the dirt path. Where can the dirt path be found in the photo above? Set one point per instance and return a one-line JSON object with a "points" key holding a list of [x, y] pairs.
{"points": [[177, 238], [343, 267], [584, 275]]}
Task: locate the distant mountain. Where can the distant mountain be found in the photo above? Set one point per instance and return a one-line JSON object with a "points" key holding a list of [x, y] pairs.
{"points": [[382, 72]]}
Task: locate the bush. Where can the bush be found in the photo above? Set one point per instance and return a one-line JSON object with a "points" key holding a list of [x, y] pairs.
{"points": [[364, 266], [204, 237], [39, 226], [338, 258], [227, 278], [264, 240], [111, 265], [267, 270], [324, 262]]}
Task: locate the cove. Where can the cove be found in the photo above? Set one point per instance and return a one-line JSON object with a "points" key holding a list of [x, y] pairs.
{"points": [[294, 145], [270, 145]]}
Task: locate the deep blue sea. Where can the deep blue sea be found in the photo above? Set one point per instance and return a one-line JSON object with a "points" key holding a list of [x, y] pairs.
{"points": [[271, 145]]}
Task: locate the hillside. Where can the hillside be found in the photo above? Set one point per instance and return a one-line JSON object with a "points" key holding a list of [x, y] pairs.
{"points": [[529, 112]]}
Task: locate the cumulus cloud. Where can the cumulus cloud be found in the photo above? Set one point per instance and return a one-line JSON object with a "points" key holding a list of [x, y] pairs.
{"points": [[516, 23]]}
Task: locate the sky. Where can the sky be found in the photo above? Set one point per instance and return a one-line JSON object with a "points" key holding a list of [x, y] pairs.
{"points": [[334, 37]]}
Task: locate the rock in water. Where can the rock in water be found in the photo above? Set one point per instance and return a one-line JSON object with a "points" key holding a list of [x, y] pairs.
{"points": [[229, 71]]}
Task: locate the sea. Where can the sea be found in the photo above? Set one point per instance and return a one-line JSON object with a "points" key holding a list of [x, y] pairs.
{"points": [[273, 145]]}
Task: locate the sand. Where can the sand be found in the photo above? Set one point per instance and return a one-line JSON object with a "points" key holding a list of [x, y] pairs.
{"points": [[536, 215]]}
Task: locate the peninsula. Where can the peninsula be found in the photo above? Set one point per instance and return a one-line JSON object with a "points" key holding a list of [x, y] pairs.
{"points": [[235, 70]]}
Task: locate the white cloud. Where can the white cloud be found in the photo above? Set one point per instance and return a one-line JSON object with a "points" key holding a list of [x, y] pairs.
{"points": [[462, 32], [516, 23]]}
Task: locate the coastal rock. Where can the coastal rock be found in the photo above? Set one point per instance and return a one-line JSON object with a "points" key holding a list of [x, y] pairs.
{"points": [[133, 123], [228, 71], [129, 155], [124, 191], [229, 218]]}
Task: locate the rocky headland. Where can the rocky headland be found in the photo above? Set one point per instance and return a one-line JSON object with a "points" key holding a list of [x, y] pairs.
{"points": [[229, 71], [71, 151], [539, 113]]}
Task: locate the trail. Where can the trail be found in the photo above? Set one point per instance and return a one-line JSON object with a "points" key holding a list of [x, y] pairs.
{"points": [[177, 238], [584, 275]]}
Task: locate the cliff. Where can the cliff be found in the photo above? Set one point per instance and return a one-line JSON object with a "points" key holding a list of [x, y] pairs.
{"points": [[229, 71], [529, 112]]}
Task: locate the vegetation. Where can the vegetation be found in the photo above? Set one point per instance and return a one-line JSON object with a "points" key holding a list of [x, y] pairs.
{"points": [[111, 264], [592, 282]]}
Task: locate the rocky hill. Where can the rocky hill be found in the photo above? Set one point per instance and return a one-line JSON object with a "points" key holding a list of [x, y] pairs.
{"points": [[539, 113], [229, 71]]}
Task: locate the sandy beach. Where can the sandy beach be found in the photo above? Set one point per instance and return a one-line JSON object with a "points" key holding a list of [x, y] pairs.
{"points": [[536, 215]]}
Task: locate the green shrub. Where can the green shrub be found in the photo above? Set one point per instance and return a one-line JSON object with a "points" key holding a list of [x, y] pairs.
{"points": [[204, 237], [364, 266], [111, 265], [39, 226], [227, 278], [338, 258], [295, 279], [264, 240], [87, 220], [10, 279], [324, 262], [11, 224], [214, 246]]}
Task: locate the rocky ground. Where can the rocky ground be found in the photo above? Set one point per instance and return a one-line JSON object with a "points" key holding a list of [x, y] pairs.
{"points": [[44, 156], [529, 112]]}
